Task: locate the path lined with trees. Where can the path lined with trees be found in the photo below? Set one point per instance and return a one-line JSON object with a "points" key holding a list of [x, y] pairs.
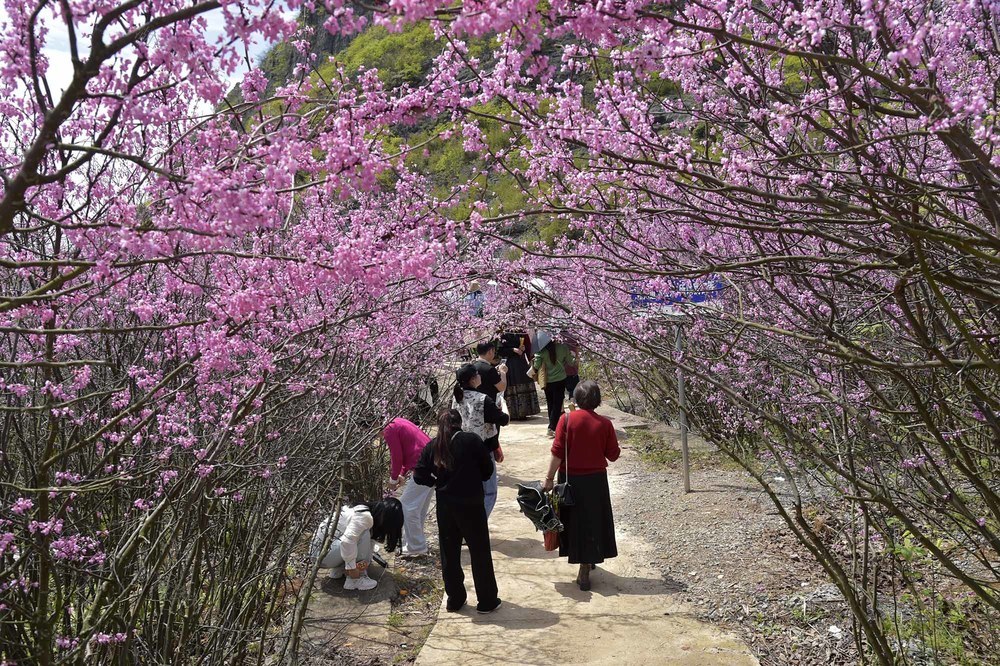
{"points": [[210, 303], [629, 616]]}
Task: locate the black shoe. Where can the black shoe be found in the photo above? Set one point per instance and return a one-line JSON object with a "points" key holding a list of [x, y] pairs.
{"points": [[488, 608], [454, 607]]}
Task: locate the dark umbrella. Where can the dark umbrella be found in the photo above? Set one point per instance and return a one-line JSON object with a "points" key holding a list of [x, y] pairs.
{"points": [[536, 505]]}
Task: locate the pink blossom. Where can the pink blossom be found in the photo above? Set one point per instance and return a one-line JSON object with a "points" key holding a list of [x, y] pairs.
{"points": [[254, 83], [50, 527], [21, 506], [6, 539], [77, 548], [109, 639]]}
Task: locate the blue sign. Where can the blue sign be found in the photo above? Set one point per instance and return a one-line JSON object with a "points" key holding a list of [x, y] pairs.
{"points": [[680, 292]]}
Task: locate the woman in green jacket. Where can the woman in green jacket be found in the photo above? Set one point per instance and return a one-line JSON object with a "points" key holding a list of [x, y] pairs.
{"points": [[553, 357]]}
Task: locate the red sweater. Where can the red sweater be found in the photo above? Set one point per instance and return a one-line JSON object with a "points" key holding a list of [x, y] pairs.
{"points": [[592, 442]]}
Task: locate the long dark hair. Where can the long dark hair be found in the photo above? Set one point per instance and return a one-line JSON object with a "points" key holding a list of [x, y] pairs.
{"points": [[552, 352], [463, 376], [387, 518], [449, 422]]}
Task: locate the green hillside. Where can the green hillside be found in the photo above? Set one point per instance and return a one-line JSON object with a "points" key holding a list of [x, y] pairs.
{"points": [[406, 58]]}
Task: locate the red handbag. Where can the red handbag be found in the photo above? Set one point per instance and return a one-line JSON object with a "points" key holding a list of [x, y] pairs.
{"points": [[551, 539]]}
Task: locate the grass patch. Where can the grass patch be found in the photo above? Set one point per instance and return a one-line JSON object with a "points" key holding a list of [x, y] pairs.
{"points": [[656, 451], [653, 449]]}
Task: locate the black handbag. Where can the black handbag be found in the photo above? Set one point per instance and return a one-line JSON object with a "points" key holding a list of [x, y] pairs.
{"points": [[564, 494], [563, 491]]}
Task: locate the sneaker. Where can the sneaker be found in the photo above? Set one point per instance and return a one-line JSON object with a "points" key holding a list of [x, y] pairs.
{"points": [[363, 582], [483, 610], [453, 606], [407, 555], [551, 434]]}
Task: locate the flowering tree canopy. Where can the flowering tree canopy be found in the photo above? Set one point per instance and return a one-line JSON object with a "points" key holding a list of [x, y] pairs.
{"points": [[196, 289], [201, 308]]}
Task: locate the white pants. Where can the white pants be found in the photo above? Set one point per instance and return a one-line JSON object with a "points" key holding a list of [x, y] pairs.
{"points": [[335, 562], [416, 501]]}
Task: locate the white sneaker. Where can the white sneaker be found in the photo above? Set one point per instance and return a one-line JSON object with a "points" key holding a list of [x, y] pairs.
{"points": [[362, 582]]}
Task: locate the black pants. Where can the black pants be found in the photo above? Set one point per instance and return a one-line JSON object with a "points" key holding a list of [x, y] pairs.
{"points": [[571, 384], [455, 522], [555, 392]]}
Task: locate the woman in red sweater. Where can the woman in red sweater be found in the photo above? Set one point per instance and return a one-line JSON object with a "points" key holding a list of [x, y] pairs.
{"points": [[587, 441]]}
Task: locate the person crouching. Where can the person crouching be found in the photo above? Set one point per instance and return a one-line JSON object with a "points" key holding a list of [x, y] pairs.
{"points": [[350, 550]]}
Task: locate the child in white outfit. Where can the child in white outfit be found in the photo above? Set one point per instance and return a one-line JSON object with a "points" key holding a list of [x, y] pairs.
{"points": [[351, 548]]}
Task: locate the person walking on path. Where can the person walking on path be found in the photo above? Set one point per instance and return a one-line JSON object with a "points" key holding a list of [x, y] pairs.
{"points": [[493, 377], [573, 365], [492, 384], [553, 358], [456, 464], [521, 395], [481, 416], [405, 442], [475, 301], [350, 550], [586, 441]]}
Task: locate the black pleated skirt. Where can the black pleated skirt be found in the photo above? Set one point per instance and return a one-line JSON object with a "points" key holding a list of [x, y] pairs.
{"points": [[588, 535]]}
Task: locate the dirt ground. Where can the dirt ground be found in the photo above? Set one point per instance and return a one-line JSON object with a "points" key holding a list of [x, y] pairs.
{"points": [[731, 553], [724, 546], [382, 627]]}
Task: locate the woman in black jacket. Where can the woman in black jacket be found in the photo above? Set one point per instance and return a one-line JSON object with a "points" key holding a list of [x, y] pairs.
{"points": [[456, 463]]}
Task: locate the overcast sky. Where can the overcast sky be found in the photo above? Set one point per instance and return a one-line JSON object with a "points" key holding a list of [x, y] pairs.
{"points": [[57, 49]]}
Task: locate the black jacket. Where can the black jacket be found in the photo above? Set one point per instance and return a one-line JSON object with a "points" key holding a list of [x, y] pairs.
{"points": [[471, 464]]}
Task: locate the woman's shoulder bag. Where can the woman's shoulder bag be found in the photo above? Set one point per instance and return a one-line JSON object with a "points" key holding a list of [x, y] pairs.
{"points": [[563, 491], [543, 375]]}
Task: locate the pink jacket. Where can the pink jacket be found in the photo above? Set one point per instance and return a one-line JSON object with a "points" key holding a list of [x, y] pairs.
{"points": [[405, 441]]}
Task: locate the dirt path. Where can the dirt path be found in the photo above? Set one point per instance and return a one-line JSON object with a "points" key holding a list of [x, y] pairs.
{"points": [[719, 555], [734, 558], [631, 615]]}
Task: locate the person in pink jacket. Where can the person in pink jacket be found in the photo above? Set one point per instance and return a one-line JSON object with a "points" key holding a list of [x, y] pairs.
{"points": [[406, 442]]}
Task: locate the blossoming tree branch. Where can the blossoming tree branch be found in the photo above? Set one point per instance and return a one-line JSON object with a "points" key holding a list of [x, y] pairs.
{"points": [[203, 295]]}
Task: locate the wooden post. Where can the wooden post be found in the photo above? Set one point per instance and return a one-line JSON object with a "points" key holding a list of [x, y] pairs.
{"points": [[682, 415]]}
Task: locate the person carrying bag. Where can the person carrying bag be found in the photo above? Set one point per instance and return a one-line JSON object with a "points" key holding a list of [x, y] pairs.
{"points": [[550, 368], [588, 536]]}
